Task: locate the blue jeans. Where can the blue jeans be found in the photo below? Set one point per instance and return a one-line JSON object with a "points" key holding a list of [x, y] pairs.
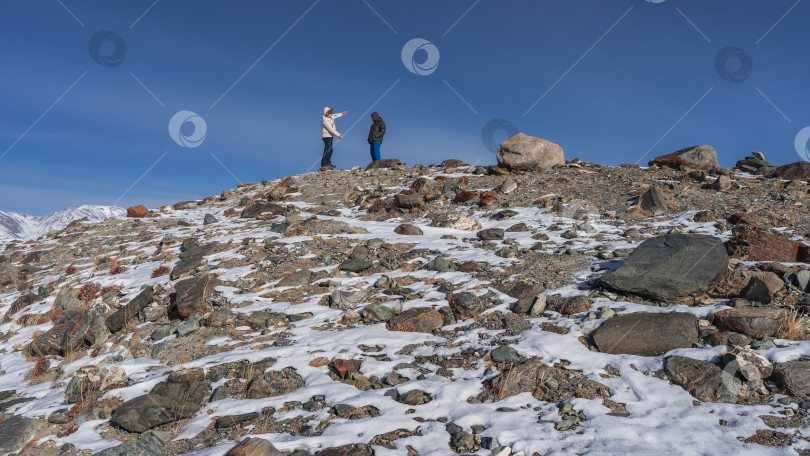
{"points": [[327, 151], [375, 150]]}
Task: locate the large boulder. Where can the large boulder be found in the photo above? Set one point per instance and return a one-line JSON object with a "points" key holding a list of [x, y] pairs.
{"points": [[166, 403], [754, 322], [275, 383], [799, 170], [646, 334], [8, 274], [418, 319], [253, 446], [191, 294], [527, 153], [702, 157], [671, 267], [756, 244], [794, 377], [117, 320], [15, 432], [147, 445], [703, 380], [137, 211]]}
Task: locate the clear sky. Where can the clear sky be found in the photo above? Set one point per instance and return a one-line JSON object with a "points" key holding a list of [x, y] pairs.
{"points": [[84, 115]]}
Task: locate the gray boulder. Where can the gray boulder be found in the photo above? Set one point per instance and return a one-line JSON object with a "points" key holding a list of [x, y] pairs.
{"points": [[126, 313], [703, 380], [702, 157], [8, 274], [148, 445], [527, 153], [794, 376], [296, 279], [15, 432], [646, 334], [166, 403], [253, 446], [671, 267], [191, 294], [653, 201]]}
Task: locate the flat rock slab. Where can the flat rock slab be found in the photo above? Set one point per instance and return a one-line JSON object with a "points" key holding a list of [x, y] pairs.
{"points": [[646, 334], [16, 432], [671, 267], [703, 380], [296, 279], [148, 445], [385, 163], [275, 383], [756, 244], [348, 450], [794, 377], [799, 170], [191, 294], [125, 314], [260, 209], [186, 267], [418, 319], [253, 446], [355, 265], [754, 322], [166, 403]]}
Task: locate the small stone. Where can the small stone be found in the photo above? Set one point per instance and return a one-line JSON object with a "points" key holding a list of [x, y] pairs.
{"points": [[209, 219], [408, 229], [504, 354], [491, 234]]}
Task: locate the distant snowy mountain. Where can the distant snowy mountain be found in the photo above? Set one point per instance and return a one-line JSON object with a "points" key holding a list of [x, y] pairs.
{"points": [[24, 226]]}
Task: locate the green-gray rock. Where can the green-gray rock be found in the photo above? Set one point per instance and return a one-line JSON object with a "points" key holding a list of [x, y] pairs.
{"points": [[671, 267]]}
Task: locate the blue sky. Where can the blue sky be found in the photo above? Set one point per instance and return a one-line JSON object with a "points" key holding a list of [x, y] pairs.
{"points": [[612, 82]]}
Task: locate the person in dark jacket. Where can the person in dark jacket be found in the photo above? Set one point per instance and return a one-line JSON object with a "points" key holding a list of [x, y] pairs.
{"points": [[375, 135]]}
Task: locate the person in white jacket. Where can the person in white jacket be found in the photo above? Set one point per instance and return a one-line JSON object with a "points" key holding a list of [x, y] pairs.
{"points": [[328, 133]]}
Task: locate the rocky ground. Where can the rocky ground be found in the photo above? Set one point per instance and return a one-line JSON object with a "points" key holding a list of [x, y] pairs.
{"points": [[425, 310]]}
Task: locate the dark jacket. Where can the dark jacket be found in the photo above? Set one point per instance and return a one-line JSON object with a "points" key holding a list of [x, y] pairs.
{"points": [[377, 130]]}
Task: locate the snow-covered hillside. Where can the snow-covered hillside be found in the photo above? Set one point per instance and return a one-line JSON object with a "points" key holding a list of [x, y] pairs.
{"points": [[23, 226]]}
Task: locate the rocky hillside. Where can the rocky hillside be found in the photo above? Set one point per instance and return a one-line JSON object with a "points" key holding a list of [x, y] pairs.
{"points": [[560, 308]]}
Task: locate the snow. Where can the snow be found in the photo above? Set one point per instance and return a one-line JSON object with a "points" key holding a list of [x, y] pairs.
{"points": [[662, 417]]}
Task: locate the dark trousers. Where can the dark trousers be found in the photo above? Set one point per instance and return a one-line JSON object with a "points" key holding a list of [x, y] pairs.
{"points": [[375, 150], [327, 151]]}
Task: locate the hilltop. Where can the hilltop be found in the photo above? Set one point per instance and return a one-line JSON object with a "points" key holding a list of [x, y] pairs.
{"points": [[557, 308]]}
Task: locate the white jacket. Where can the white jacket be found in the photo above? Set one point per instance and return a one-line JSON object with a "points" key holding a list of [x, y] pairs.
{"points": [[328, 129]]}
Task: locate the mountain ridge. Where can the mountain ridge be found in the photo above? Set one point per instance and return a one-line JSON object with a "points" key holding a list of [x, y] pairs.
{"points": [[18, 226]]}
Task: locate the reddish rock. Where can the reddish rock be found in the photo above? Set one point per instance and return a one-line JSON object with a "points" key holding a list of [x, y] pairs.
{"points": [[344, 367], [409, 201], [755, 244], [568, 305], [466, 196], [701, 157], [418, 319], [794, 171], [754, 322], [137, 211], [497, 171], [378, 205], [488, 197]]}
